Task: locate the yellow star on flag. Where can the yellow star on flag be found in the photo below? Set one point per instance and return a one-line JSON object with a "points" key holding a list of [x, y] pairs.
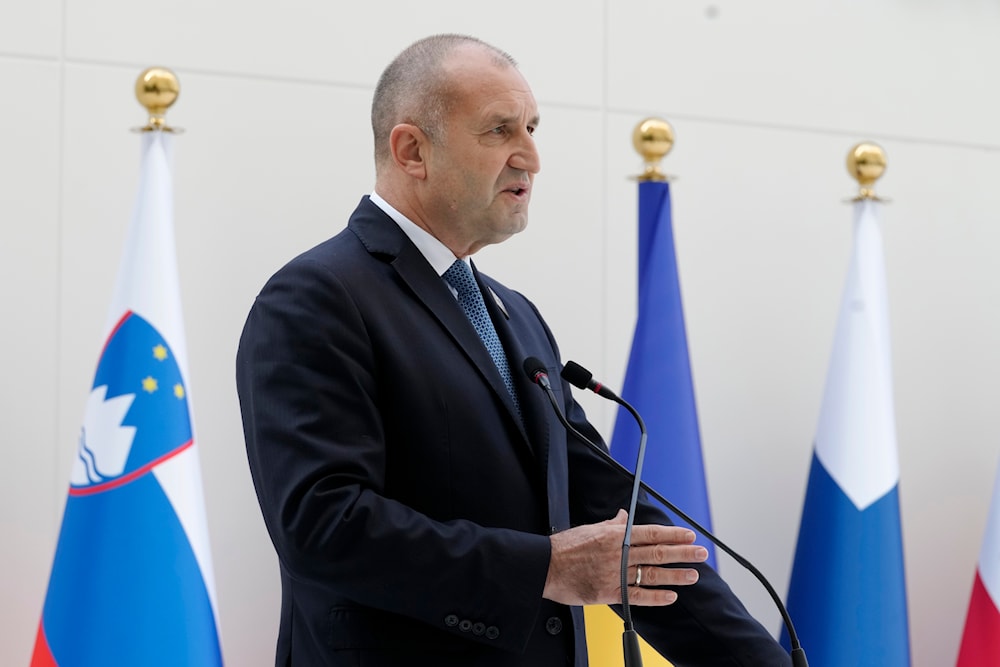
{"points": [[179, 390], [149, 384], [159, 352]]}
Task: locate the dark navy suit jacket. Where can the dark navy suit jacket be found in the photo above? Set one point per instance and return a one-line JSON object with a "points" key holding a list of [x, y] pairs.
{"points": [[409, 504]]}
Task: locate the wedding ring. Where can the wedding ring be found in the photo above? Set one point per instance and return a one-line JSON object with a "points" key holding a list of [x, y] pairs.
{"points": [[638, 575]]}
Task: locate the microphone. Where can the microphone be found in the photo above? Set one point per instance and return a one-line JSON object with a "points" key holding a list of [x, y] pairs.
{"points": [[535, 370], [584, 379], [581, 378]]}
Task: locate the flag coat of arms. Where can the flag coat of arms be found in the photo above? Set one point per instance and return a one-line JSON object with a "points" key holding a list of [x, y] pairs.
{"points": [[847, 595], [131, 581]]}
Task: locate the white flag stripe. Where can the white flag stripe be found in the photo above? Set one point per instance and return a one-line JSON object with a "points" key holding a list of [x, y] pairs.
{"points": [[180, 478], [989, 554], [148, 278], [856, 435], [149, 285]]}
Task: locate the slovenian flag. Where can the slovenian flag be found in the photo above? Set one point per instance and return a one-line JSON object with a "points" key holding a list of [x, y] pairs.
{"points": [[132, 583], [847, 595], [981, 640]]}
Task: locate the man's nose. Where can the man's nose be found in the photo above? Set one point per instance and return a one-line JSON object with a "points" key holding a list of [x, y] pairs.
{"points": [[526, 157]]}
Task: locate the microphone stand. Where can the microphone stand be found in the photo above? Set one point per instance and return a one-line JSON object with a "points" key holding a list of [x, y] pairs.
{"points": [[536, 371], [630, 638]]}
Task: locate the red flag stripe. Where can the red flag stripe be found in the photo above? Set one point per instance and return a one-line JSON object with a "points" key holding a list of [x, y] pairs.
{"points": [[125, 479], [42, 656], [981, 640]]}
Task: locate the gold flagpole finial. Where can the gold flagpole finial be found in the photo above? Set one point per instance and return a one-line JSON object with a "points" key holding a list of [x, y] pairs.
{"points": [[156, 89], [653, 138], [866, 163]]}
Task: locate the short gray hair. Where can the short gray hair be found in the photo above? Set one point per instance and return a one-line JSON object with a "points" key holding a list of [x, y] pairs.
{"points": [[414, 88]]}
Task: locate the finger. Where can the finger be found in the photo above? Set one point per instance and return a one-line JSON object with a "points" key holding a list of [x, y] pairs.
{"points": [[653, 575], [650, 597], [620, 518], [649, 533], [667, 554]]}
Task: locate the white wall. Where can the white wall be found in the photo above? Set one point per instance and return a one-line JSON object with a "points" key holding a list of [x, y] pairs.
{"points": [[766, 97]]}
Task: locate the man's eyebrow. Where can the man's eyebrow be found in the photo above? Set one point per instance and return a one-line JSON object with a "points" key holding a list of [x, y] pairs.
{"points": [[497, 119]]}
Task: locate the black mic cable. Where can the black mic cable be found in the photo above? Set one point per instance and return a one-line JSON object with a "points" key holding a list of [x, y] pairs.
{"points": [[583, 379]]}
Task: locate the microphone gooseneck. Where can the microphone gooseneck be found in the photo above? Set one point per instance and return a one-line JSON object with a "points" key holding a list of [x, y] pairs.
{"points": [[579, 377], [535, 370]]}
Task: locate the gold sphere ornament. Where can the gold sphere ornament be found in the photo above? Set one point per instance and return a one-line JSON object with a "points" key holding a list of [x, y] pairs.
{"points": [[866, 163], [157, 88], [653, 138]]}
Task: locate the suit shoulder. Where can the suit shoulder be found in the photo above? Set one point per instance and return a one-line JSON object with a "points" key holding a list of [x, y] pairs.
{"points": [[336, 254]]}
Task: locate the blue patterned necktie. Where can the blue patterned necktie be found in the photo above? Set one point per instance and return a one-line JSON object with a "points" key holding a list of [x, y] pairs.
{"points": [[460, 277]]}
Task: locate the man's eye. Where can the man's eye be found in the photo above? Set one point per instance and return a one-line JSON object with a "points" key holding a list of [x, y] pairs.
{"points": [[531, 129], [500, 129]]}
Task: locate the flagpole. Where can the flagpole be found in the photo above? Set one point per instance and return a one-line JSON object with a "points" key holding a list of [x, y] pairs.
{"points": [[132, 579], [848, 578], [866, 163], [653, 138], [157, 88]]}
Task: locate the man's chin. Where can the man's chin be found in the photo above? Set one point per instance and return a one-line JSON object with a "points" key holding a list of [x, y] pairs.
{"points": [[518, 221], [517, 228]]}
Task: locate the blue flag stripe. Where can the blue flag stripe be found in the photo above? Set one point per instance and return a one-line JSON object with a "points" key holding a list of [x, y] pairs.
{"points": [[848, 592]]}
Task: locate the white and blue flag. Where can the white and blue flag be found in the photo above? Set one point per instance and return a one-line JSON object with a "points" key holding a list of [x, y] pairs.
{"points": [[847, 596]]}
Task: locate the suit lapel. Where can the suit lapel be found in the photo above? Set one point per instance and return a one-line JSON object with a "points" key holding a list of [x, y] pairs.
{"points": [[535, 408], [538, 420], [381, 236]]}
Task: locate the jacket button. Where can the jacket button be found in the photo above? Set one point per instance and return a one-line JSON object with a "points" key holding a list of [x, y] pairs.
{"points": [[492, 632], [451, 620], [465, 625], [478, 628], [554, 625]]}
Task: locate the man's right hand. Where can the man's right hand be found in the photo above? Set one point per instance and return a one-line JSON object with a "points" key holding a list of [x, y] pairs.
{"points": [[585, 566]]}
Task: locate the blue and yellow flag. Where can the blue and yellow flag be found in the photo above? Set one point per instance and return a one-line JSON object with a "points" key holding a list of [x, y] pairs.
{"points": [[658, 380], [658, 384]]}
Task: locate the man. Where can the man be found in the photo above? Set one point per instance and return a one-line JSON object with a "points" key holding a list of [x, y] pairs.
{"points": [[426, 505]]}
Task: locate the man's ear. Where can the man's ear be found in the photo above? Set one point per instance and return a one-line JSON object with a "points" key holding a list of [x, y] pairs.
{"points": [[409, 145]]}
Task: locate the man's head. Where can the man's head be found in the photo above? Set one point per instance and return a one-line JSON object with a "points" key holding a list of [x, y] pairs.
{"points": [[453, 121], [414, 88]]}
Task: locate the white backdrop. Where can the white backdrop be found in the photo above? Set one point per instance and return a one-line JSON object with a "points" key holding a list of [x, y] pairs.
{"points": [[766, 99]]}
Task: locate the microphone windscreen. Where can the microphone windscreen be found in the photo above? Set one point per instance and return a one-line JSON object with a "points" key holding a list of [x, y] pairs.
{"points": [[533, 366], [576, 375]]}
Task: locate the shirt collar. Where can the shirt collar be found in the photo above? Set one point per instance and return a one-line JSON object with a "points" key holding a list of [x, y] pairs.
{"points": [[436, 253]]}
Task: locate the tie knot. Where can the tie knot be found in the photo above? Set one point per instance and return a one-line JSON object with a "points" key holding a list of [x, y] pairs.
{"points": [[460, 277]]}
